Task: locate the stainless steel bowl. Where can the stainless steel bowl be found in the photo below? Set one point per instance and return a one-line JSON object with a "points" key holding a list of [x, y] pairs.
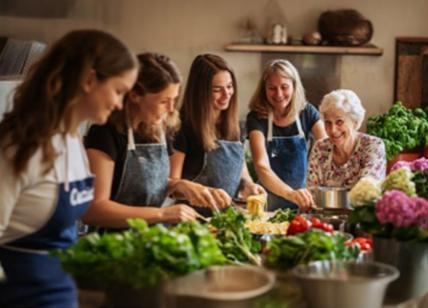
{"points": [[220, 286], [331, 197], [327, 284]]}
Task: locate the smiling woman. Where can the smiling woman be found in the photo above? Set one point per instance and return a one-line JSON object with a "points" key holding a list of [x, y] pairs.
{"points": [[346, 155], [208, 149], [47, 184], [278, 127], [130, 154]]}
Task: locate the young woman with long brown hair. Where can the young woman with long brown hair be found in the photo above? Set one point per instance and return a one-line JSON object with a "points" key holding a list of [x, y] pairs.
{"points": [[130, 154], [46, 183], [207, 148]]}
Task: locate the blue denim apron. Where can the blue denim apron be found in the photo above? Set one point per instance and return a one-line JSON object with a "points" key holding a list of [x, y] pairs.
{"points": [[288, 159], [35, 279], [144, 179], [222, 168]]}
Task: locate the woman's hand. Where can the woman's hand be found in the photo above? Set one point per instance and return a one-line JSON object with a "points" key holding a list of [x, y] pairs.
{"points": [[200, 195], [251, 188], [302, 197], [177, 213]]}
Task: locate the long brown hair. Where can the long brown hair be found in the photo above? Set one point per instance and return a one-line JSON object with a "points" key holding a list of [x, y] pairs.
{"points": [[286, 69], [156, 73], [43, 102], [197, 110]]}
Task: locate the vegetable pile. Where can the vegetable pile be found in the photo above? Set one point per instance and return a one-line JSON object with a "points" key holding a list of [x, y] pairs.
{"points": [[234, 239], [313, 245], [400, 128], [300, 224], [142, 256]]}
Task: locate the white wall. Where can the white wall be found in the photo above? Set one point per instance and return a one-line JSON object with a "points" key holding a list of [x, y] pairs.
{"points": [[184, 28]]}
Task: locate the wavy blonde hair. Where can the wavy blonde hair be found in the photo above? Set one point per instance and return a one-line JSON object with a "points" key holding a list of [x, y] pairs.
{"points": [[259, 102], [43, 102], [156, 73]]}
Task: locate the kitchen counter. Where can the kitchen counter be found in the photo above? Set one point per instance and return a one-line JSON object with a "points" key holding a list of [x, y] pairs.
{"points": [[285, 294]]}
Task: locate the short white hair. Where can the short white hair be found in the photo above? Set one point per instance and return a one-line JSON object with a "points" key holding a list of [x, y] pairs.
{"points": [[346, 101]]}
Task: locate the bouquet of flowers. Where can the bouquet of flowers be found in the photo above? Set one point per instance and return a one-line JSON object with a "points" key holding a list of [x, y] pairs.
{"points": [[398, 206]]}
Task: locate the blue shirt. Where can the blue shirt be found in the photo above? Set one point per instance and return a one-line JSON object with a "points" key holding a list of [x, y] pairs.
{"points": [[308, 117]]}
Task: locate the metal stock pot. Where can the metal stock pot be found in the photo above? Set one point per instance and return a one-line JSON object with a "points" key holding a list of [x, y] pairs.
{"points": [[331, 197]]}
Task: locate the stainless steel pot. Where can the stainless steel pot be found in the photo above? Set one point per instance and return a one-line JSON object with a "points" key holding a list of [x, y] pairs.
{"points": [[331, 197], [327, 284], [411, 259]]}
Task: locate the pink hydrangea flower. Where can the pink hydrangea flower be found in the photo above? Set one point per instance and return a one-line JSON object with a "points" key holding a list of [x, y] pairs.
{"points": [[397, 208], [420, 164]]}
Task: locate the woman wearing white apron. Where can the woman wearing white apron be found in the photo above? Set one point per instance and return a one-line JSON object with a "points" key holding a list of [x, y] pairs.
{"points": [[207, 148], [46, 184], [278, 127], [130, 154]]}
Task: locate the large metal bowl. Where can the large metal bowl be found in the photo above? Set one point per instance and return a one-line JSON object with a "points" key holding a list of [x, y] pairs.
{"points": [[331, 197], [220, 286], [327, 284]]}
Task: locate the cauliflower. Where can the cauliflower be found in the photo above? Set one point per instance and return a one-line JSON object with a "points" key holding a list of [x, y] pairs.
{"points": [[366, 191]]}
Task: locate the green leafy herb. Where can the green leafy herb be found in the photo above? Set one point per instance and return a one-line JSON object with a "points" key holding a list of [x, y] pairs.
{"points": [[400, 128], [142, 256], [234, 238], [313, 245]]}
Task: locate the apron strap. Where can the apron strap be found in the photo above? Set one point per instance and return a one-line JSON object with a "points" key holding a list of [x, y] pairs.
{"points": [[67, 183], [131, 140], [270, 127], [299, 127]]}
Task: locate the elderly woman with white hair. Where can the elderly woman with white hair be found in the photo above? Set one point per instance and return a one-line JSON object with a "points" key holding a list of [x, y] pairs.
{"points": [[347, 154]]}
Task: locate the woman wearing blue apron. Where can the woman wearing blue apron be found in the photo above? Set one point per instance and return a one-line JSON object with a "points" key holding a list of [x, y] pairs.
{"points": [[278, 126], [46, 182], [207, 148], [130, 154]]}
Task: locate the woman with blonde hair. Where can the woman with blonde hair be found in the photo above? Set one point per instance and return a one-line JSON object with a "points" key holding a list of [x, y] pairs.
{"points": [[130, 154], [46, 183], [346, 155], [278, 126], [207, 148]]}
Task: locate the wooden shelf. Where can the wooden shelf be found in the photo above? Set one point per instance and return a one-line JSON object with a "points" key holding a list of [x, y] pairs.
{"points": [[365, 50]]}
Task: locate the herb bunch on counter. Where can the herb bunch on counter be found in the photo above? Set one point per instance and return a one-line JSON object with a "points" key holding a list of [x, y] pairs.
{"points": [[142, 256], [234, 239]]}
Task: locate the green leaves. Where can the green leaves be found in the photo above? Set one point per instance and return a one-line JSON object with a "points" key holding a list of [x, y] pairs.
{"points": [[142, 256], [234, 238], [313, 245], [420, 179], [400, 128], [283, 215]]}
